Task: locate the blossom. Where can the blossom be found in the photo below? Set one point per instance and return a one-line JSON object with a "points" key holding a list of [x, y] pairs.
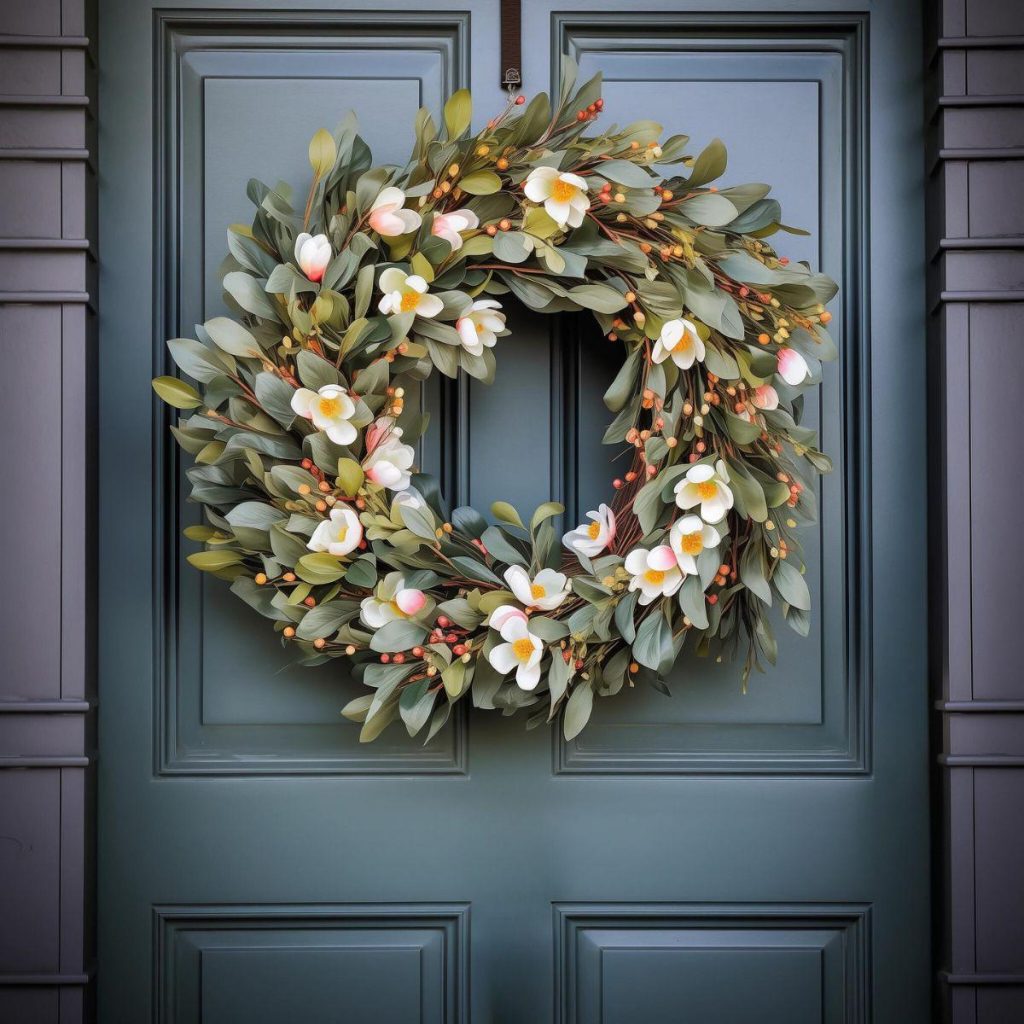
{"points": [[393, 600], [330, 409], [688, 537], [407, 293], [448, 226], [312, 253], [409, 499], [793, 368], [707, 486], [546, 591], [338, 535], [766, 397], [503, 613], [592, 538], [387, 461], [521, 651], [680, 340], [387, 216], [564, 195], [478, 328], [655, 573]]}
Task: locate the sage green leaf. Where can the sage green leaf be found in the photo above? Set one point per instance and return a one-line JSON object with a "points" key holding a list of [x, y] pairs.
{"points": [[350, 476], [275, 396], [624, 615], [792, 586], [399, 635], [511, 246], [458, 112], [624, 385], [480, 183], [177, 393], [653, 644], [577, 711], [625, 173], [415, 705], [549, 630], [319, 568], [324, 620], [249, 294], [198, 361], [559, 674], [232, 337], [599, 297], [475, 570], [693, 602], [709, 165], [753, 572], [506, 513], [322, 153], [316, 372], [711, 209], [212, 561], [257, 514]]}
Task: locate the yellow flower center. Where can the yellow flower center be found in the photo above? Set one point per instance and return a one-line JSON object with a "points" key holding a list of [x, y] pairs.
{"points": [[706, 490], [410, 300], [692, 543], [655, 576], [329, 407], [563, 191], [522, 648], [398, 611], [479, 328], [594, 530], [536, 591], [683, 342], [340, 535]]}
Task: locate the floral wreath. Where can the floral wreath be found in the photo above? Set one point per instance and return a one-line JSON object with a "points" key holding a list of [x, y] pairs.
{"points": [[301, 435]]}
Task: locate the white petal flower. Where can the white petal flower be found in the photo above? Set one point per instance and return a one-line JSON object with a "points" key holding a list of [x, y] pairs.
{"points": [[592, 538], [339, 534], [522, 652], [480, 327], [388, 462], [707, 486], [546, 591], [503, 613], [793, 368], [330, 409], [655, 573], [766, 397], [312, 253], [407, 293], [392, 600], [688, 537], [387, 216], [449, 225], [680, 340], [564, 195]]}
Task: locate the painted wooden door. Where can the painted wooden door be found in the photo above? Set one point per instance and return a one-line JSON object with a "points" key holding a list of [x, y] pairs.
{"points": [[715, 857]]}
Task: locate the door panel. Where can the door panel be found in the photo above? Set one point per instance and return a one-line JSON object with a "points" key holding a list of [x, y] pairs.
{"points": [[717, 856]]}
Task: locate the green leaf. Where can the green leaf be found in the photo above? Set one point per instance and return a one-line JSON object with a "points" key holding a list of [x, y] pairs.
{"points": [[511, 247], [177, 393], [198, 361], [506, 513], [709, 165], [693, 602], [319, 568], [322, 153], [399, 635], [212, 561], [624, 385], [323, 621], [545, 511], [599, 297], [249, 294], [577, 711], [653, 644], [458, 112], [350, 476], [625, 173], [415, 705], [624, 616], [480, 183], [232, 337], [792, 586], [752, 572], [709, 208]]}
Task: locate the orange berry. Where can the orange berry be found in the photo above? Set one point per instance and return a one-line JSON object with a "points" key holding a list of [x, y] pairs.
{"points": [[289, 631]]}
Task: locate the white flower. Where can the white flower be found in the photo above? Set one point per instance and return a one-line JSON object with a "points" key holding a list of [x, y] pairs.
{"points": [[680, 340], [766, 397], [522, 651], [387, 216], [707, 486], [312, 253], [564, 195], [688, 537], [330, 409], [393, 600], [480, 326], [409, 499], [793, 368], [655, 572], [407, 293], [592, 538], [546, 591], [338, 535], [387, 461], [448, 226], [503, 613]]}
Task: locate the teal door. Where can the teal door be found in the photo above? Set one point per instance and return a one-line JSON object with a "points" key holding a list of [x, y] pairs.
{"points": [[716, 857]]}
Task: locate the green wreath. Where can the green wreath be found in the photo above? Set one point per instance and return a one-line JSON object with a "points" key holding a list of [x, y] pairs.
{"points": [[301, 436]]}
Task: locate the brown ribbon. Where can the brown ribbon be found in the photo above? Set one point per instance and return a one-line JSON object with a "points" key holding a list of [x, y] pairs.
{"points": [[511, 44]]}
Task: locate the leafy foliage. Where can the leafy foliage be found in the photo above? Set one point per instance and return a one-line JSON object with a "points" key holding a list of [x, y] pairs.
{"points": [[406, 588]]}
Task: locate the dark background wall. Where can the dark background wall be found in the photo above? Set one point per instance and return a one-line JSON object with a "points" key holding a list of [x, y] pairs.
{"points": [[976, 291], [46, 466], [975, 164]]}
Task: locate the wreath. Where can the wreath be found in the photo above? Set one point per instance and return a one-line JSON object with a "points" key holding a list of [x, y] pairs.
{"points": [[303, 441]]}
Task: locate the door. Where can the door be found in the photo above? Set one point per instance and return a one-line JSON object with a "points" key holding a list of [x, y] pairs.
{"points": [[717, 856]]}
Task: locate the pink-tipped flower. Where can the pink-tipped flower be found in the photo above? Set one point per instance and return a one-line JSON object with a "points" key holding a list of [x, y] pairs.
{"points": [[503, 613], [449, 225], [410, 601], [387, 216], [312, 253], [766, 397], [793, 368]]}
